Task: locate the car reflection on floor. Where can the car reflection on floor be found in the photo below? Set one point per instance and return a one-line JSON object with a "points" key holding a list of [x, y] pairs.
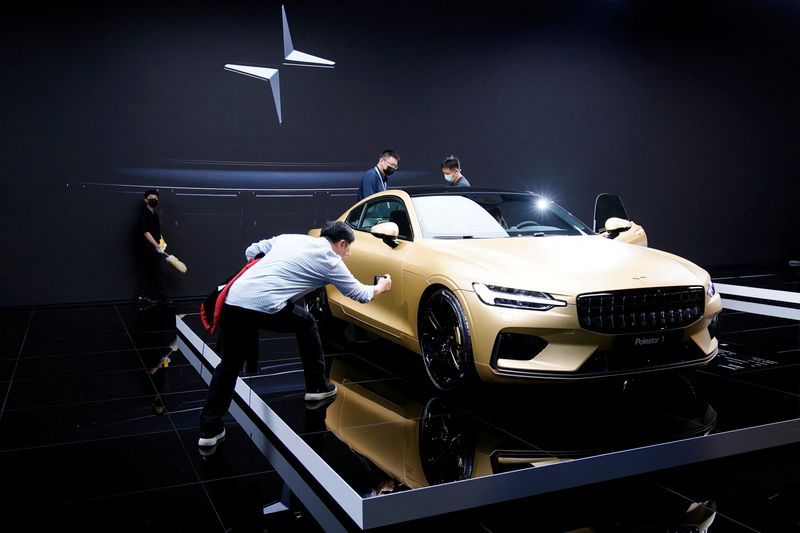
{"points": [[418, 441]]}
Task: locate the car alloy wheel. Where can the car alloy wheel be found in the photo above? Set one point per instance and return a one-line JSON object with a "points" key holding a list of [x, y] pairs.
{"points": [[317, 303], [445, 340], [447, 443]]}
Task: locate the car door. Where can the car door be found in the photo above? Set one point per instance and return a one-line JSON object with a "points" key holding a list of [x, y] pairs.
{"points": [[371, 257], [608, 208]]}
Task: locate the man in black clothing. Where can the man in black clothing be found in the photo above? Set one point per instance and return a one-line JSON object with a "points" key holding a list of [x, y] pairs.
{"points": [[150, 253]]}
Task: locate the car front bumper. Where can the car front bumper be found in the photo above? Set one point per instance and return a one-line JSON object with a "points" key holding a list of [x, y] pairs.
{"points": [[559, 349]]}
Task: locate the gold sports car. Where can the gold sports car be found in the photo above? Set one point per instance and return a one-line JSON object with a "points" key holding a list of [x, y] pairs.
{"points": [[507, 286]]}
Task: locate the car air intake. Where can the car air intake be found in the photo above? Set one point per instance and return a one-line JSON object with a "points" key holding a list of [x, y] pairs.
{"points": [[636, 310]]}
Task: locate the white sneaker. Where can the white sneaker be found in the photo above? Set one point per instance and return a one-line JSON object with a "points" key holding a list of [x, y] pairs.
{"points": [[206, 440], [328, 392]]}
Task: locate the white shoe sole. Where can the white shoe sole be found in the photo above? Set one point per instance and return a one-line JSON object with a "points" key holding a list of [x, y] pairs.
{"points": [[211, 441], [317, 396]]}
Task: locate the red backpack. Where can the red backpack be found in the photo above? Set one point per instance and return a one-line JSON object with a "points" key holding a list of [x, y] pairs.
{"points": [[211, 308]]}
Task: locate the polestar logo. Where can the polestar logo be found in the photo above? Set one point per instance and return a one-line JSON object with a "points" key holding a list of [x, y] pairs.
{"points": [[290, 54], [262, 73], [296, 58], [646, 341]]}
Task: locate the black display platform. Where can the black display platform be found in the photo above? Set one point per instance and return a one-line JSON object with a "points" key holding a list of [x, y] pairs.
{"points": [[389, 449]]}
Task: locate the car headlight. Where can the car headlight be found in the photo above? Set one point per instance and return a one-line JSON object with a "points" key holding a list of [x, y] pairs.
{"points": [[516, 298], [711, 290]]}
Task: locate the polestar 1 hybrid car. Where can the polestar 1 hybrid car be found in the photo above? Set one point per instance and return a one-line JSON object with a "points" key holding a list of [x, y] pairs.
{"points": [[507, 286]]}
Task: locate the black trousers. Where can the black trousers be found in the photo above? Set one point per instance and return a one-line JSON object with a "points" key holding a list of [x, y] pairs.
{"points": [[151, 281], [239, 328]]}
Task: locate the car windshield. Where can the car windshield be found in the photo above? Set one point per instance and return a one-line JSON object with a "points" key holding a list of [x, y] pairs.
{"points": [[455, 217], [494, 215]]}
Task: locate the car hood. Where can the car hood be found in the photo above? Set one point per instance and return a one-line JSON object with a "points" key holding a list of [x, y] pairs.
{"points": [[562, 265]]}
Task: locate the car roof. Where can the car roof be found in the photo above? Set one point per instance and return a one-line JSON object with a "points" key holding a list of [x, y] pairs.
{"points": [[435, 190]]}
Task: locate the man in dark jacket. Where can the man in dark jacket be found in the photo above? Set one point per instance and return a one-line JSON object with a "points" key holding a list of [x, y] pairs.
{"points": [[375, 179]]}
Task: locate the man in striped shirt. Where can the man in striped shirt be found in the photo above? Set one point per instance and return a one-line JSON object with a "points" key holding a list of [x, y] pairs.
{"points": [[264, 298]]}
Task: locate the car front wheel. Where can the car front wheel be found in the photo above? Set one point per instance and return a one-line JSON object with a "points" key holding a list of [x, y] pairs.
{"points": [[445, 341]]}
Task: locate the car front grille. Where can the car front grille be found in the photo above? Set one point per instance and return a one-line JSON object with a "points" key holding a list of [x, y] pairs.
{"points": [[637, 310]]}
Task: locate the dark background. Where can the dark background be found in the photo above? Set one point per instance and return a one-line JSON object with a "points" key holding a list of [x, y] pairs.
{"points": [[687, 109]]}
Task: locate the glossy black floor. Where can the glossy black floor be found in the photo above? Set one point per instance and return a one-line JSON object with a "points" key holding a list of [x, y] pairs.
{"points": [[99, 435]]}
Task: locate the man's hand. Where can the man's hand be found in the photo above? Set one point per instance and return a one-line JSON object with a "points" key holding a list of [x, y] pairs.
{"points": [[384, 284], [160, 249]]}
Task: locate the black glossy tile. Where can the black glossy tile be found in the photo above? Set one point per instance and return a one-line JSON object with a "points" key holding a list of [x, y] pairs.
{"points": [[94, 344], [72, 472], [155, 319], [732, 359], [762, 343], [4, 385], [154, 357], [13, 327], [58, 424], [184, 408], [80, 388], [747, 321], [781, 281], [240, 501], [67, 365], [177, 379], [14, 322], [739, 404], [235, 456], [393, 359], [293, 410], [784, 379], [634, 506], [277, 378], [176, 509], [589, 419], [10, 348], [73, 323], [7, 368], [759, 489], [790, 331], [153, 339], [402, 450], [354, 368], [360, 472]]}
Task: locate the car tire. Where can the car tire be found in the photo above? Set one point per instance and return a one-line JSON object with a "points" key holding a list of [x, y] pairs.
{"points": [[445, 341], [317, 303], [446, 443]]}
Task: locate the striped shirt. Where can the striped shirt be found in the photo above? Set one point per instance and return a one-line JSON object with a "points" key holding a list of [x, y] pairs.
{"points": [[292, 265]]}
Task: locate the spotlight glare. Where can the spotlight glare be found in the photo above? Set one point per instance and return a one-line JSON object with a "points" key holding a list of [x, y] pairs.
{"points": [[542, 203]]}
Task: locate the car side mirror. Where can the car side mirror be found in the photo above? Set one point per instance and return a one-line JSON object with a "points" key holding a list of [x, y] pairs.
{"points": [[387, 231], [607, 206], [617, 224]]}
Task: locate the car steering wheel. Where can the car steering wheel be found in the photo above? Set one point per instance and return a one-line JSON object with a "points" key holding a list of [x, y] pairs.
{"points": [[525, 223]]}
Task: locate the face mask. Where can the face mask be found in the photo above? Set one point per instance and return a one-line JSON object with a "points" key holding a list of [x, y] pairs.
{"points": [[152, 202], [388, 171], [448, 178]]}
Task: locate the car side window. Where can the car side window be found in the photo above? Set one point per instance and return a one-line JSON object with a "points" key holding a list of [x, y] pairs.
{"points": [[386, 210], [355, 216]]}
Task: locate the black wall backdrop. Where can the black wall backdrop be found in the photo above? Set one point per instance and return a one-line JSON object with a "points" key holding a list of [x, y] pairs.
{"points": [[687, 109]]}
